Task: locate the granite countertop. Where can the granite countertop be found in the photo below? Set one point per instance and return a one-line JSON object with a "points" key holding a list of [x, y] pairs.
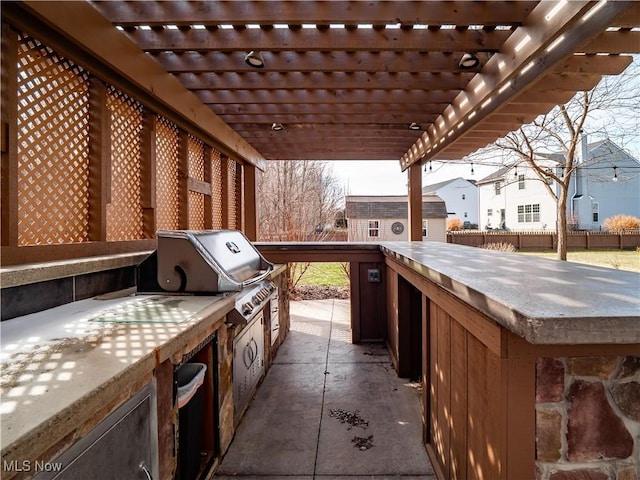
{"points": [[58, 363], [545, 301]]}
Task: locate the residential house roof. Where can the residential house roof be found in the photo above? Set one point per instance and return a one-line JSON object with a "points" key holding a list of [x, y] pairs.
{"points": [[377, 207], [434, 187]]}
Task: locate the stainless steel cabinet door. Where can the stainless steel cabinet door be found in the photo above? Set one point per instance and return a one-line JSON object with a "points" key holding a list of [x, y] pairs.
{"points": [[122, 447]]}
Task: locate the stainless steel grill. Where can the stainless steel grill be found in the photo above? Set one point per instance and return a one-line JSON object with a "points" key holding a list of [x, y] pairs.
{"points": [[210, 261]]}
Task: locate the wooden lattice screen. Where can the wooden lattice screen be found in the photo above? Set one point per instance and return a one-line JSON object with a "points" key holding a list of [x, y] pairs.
{"points": [[167, 183], [79, 183], [124, 211], [216, 187], [196, 171], [53, 143], [233, 194]]}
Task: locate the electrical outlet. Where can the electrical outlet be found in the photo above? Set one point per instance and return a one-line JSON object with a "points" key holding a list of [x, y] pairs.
{"points": [[373, 275]]}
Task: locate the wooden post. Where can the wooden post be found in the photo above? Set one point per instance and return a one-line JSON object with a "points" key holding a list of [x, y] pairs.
{"points": [[239, 201], [9, 125], [250, 202], [415, 202], [224, 190], [208, 178], [99, 160], [183, 180], [148, 174]]}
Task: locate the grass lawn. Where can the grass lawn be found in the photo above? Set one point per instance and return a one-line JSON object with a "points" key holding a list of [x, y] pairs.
{"points": [[332, 273], [324, 274], [620, 259]]}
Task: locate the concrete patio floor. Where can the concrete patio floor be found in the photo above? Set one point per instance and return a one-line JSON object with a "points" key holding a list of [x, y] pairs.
{"points": [[293, 430]]}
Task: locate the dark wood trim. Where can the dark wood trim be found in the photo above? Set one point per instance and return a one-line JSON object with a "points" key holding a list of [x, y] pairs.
{"points": [[518, 347], [520, 397], [311, 254], [9, 109], [354, 269], [426, 374], [183, 180], [45, 253], [166, 429], [415, 202], [250, 203], [224, 189], [208, 178], [148, 173], [195, 185], [238, 195], [99, 160]]}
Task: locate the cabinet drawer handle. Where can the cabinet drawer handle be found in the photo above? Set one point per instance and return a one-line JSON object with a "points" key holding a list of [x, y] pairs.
{"points": [[146, 471]]}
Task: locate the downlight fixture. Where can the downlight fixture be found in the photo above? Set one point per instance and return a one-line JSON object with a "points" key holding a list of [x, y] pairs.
{"points": [[468, 61], [254, 59]]}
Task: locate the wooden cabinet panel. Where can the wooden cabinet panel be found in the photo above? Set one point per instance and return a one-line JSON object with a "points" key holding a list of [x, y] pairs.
{"points": [[459, 401], [466, 408]]}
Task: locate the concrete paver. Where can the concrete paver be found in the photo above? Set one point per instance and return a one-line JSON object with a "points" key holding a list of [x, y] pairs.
{"points": [[289, 431]]}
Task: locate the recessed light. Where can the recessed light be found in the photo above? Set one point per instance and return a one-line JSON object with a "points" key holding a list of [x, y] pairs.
{"points": [[254, 59]]}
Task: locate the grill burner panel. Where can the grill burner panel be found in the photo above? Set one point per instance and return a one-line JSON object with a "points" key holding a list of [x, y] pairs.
{"points": [[251, 301]]}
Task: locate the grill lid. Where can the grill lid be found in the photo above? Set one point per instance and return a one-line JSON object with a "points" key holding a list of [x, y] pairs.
{"points": [[208, 261]]}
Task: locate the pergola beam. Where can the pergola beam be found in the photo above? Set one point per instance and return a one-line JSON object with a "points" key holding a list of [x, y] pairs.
{"points": [[531, 52], [386, 12], [305, 39]]}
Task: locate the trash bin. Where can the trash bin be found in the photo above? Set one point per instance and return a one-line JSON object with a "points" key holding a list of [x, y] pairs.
{"points": [[188, 379]]}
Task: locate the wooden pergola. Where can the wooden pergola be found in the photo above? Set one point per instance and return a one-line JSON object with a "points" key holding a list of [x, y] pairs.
{"points": [[346, 80]]}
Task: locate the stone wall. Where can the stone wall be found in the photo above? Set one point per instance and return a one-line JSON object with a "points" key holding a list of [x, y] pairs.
{"points": [[588, 418]]}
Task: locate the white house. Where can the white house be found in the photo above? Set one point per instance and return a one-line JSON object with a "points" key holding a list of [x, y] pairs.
{"points": [[385, 218], [460, 196], [606, 183]]}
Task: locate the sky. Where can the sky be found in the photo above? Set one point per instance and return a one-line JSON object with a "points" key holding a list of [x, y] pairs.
{"points": [[384, 177]]}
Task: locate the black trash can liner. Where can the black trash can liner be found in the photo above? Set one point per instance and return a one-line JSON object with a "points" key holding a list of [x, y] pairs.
{"points": [[188, 380]]}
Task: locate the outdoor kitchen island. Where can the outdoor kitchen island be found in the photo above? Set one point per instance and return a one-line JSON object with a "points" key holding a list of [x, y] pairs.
{"points": [[104, 368], [531, 367]]}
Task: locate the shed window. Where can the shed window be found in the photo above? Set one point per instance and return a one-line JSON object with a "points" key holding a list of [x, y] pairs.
{"points": [[425, 228], [498, 187], [374, 228]]}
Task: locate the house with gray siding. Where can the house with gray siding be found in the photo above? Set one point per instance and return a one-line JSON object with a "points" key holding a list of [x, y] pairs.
{"points": [[606, 182], [385, 218]]}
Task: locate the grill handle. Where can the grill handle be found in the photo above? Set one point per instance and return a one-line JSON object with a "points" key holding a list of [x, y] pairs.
{"points": [[258, 278]]}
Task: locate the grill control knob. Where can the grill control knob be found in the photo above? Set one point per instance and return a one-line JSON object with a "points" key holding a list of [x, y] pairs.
{"points": [[247, 308]]}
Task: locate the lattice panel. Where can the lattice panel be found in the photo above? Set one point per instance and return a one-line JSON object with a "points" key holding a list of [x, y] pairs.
{"points": [[216, 195], [167, 183], [196, 171], [196, 158], [233, 194], [196, 211], [53, 147], [124, 213]]}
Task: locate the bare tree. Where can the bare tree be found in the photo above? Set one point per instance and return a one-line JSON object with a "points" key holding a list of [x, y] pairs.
{"points": [[297, 200], [609, 111]]}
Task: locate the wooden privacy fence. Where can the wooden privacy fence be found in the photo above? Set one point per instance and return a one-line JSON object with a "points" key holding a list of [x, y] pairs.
{"points": [[548, 240]]}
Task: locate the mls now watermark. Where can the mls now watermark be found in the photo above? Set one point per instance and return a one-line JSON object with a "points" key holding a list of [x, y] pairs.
{"points": [[29, 466]]}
